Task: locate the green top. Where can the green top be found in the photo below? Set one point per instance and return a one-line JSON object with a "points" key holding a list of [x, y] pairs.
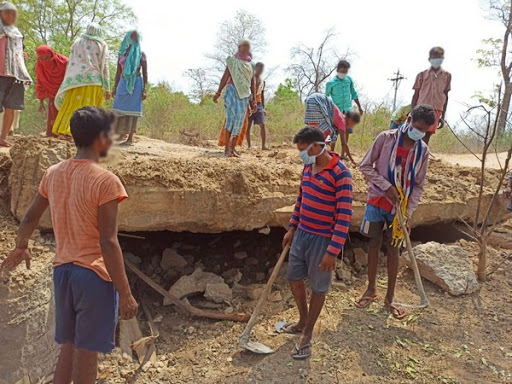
{"points": [[342, 92]]}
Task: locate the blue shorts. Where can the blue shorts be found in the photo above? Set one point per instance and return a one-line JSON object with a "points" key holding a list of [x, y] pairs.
{"points": [[375, 221], [86, 309], [306, 254]]}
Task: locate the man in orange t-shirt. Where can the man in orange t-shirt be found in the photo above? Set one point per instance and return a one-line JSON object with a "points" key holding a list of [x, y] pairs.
{"points": [[89, 276]]}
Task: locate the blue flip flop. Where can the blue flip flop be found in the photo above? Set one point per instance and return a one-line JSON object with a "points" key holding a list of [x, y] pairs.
{"points": [[302, 356]]}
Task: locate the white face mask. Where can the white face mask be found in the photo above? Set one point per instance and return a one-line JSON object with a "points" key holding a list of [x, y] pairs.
{"points": [[340, 75], [310, 159]]}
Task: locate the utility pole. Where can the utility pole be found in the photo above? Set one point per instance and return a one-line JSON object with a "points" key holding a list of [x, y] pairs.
{"points": [[396, 79]]}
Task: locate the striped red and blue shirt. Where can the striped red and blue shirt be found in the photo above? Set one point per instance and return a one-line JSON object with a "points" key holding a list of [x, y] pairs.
{"points": [[324, 204]]}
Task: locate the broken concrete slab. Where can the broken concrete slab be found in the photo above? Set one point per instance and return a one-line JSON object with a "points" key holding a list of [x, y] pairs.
{"points": [[163, 197], [218, 292], [172, 260], [193, 284], [447, 266]]}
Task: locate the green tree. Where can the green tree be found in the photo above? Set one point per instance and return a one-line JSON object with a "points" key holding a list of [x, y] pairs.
{"points": [[59, 22], [286, 92]]}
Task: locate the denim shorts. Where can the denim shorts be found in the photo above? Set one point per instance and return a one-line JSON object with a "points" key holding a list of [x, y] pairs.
{"points": [[306, 254], [86, 309], [375, 221]]}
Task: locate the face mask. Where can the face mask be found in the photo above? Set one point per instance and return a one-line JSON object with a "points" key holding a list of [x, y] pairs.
{"points": [[307, 159], [415, 134], [436, 63], [340, 75]]}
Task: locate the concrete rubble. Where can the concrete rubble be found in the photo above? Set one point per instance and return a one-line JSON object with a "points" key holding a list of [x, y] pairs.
{"points": [[447, 266]]}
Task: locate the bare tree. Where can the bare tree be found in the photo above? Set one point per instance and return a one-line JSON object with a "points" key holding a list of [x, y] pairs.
{"points": [[486, 115], [311, 66], [202, 84], [496, 54], [243, 26]]}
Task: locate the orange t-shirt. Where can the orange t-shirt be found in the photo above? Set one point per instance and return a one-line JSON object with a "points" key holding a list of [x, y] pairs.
{"points": [[76, 189]]}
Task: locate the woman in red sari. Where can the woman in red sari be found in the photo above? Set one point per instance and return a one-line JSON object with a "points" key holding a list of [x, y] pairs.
{"points": [[50, 71]]}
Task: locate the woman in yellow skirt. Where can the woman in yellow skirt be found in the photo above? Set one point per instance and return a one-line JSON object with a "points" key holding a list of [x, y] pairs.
{"points": [[87, 79]]}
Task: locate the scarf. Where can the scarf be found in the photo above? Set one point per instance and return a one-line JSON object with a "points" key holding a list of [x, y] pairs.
{"points": [[241, 71], [49, 73], [131, 60], [320, 111], [14, 60], [403, 184], [93, 32]]}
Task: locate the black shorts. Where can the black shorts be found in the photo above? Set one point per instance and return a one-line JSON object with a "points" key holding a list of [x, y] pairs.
{"points": [[12, 94]]}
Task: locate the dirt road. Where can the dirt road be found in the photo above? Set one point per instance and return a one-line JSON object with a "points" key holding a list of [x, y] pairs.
{"points": [[494, 161]]}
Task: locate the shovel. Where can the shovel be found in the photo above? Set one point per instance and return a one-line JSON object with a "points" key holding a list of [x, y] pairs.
{"points": [[244, 339], [417, 276]]}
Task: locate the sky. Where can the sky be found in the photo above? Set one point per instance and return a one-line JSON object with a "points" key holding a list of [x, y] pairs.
{"points": [[382, 36]]}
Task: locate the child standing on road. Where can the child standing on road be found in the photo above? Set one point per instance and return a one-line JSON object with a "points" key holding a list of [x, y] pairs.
{"points": [[395, 167], [257, 117], [318, 230], [13, 71], [431, 88]]}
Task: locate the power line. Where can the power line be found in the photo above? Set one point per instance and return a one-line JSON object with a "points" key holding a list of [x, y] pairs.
{"points": [[396, 79]]}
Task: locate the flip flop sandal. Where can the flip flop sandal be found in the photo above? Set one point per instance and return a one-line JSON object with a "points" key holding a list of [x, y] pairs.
{"points": [[396, 311], [284, 327], [302, 356], [365, 301]]}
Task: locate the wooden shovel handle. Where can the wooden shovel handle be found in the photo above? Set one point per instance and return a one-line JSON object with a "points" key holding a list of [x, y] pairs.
{"points": [[255, 313]]}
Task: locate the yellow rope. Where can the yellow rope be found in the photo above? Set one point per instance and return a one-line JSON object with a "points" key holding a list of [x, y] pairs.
{"points": [[398, 232]]}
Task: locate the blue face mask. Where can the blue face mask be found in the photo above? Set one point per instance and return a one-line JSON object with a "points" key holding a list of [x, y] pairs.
{"points": [[436, 63], [340, 75], [415, 134], [307, 159]]}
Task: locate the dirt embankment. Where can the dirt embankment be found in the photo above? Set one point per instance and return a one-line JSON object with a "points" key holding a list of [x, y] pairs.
{"points": [[180, 188], [28, 351]]}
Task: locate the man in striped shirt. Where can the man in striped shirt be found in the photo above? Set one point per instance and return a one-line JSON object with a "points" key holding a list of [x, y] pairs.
{"points": [[318, 230]]}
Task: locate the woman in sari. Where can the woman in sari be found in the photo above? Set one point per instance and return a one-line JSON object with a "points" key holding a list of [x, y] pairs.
{"points": [[130, 87], [239, 82], [50, 71], [87, 79]]}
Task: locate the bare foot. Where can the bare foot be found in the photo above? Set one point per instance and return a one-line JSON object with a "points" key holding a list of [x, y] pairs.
{"points": [[5, 143], [265, 148], [126, 143]]}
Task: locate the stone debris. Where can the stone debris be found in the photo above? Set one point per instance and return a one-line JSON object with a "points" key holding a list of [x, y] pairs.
{"points": [[193, 284], [232, 276], [132, 258], [361, 257], [172, 260], [254, 291], [260, 276], [447, 266], [218, 293], [343, 274], [252, 261], [282, 271], [241, 255], [275, 297]]}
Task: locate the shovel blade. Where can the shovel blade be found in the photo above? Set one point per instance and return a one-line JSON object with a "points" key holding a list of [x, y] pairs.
{"points": [[257, 347]]}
